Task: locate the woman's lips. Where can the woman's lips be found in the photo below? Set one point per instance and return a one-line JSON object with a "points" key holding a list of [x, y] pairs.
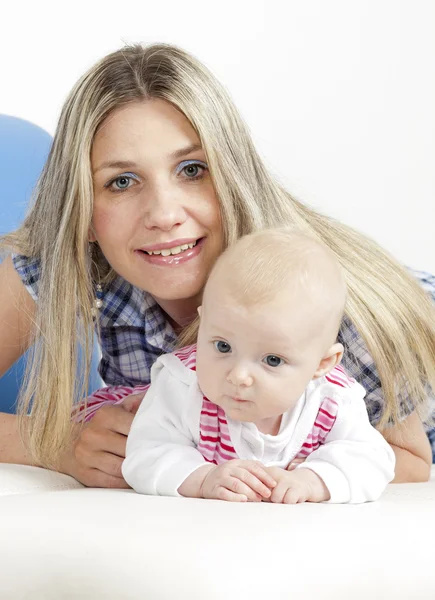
{"points": [[173, 259], [170, 244]]}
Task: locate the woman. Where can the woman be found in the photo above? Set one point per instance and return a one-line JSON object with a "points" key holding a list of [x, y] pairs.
{"points": [[151, 174]]}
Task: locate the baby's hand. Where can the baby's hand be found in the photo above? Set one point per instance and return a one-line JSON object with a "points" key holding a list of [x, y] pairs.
{"points": [[299, 485], [238, 481]]}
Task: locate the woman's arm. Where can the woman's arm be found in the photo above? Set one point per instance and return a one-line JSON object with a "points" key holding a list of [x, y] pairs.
{"points": [[16, 312], [96, 455], [412, 449], [12, 449]]}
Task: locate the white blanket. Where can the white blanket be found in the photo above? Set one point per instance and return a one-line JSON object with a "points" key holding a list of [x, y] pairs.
{"points": [[60, 540]]}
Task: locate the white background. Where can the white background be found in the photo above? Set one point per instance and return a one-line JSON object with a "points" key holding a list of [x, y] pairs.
{"points": [[339, 94]]}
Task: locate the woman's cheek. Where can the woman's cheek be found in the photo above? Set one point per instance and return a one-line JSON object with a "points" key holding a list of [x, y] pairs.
{"points": [[109, 225]]}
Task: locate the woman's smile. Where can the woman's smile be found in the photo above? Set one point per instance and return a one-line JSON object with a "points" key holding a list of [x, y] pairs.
{"points": [[173, 253]]}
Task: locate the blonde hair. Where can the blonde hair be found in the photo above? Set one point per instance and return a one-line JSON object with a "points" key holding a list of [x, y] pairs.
{"points": [[391, 312], [270, 263]]}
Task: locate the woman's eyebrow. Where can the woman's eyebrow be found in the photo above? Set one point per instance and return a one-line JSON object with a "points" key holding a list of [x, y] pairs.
{"points": [[123, 164], [185, 151], [118, 164]]}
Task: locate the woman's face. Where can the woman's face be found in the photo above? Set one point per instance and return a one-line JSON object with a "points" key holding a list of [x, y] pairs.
{"points": [[156, 216]]}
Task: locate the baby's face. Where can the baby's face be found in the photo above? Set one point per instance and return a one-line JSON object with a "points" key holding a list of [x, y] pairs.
{"points": [[255, 362]]}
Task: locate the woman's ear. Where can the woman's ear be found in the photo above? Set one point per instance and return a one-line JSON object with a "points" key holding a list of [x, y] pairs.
{"points": [[199, 311], [330, 360], [91, 234]]}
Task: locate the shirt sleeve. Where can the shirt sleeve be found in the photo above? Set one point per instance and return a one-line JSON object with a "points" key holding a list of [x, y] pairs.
{"points": [[29, 271], [161, 447], [355, 462], [426, 280]]}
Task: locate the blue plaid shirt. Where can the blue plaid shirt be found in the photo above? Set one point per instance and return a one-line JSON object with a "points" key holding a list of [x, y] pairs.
{"points": [[134, 332]]}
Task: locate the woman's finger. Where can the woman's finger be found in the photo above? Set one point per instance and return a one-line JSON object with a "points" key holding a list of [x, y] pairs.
{"points": [[106, 463], [116, 418], [131, 403], [100, 479], [93, 440]]}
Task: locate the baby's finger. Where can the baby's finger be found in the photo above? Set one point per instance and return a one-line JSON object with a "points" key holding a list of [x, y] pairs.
{"points": [[223, 493], [236, 485], [293, 496], [251, 481], [294, 463], [279, 492], [260, 473]]}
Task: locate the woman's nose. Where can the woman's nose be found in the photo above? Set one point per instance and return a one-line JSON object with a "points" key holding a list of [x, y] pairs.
{"points": [[163, 210], [239, 375]]}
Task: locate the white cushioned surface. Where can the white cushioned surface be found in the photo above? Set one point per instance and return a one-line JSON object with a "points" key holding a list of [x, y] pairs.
{"points": [[60, 540]]}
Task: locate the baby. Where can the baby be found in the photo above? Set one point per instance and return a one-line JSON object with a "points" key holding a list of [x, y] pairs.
{"points": [[262, 390]]}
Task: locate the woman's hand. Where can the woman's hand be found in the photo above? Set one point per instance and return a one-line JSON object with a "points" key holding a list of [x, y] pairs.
{"points": [[96, 455]]}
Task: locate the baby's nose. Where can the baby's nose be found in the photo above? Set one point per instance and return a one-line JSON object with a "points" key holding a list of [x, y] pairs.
{"points": [[240, 376]]}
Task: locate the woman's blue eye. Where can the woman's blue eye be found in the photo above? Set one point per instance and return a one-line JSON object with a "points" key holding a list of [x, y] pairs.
{"points": [[121, 183], [222, 347], [192, 169], [273, 361]]}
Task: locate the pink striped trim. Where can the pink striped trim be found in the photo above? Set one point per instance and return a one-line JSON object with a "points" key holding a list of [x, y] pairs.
{"points": [[338, 376], [108, 396], [187, 356], [213, 447], [323, 424], [214, 436], [112, 395]]}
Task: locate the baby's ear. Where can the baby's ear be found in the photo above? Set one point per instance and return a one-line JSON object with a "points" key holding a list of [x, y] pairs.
{"points": [[330, 360], [199, 309]]}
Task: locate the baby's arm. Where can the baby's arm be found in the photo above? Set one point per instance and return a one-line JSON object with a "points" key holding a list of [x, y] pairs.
{"points": [[355, 463], [161, 451]]}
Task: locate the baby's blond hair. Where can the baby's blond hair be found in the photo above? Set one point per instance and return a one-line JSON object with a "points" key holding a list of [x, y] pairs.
{"points": [[262, 266]]}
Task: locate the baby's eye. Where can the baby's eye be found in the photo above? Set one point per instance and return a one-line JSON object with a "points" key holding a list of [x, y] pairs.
{"points": [[273, 361], [222, 347], [192, 169]]}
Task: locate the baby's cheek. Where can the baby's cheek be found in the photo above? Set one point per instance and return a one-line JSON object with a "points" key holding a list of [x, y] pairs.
{"points": [[207, 383], [282, 398]]}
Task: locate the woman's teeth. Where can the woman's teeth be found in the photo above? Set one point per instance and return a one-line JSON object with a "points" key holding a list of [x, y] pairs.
{"points": [[170, 251]]}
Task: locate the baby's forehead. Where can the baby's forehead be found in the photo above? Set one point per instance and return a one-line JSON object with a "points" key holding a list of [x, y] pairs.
{"points": [[288, 294], [270, 327], [286, 313]]}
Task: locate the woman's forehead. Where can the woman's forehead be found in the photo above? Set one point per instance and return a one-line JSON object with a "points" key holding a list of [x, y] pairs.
{"points": [[150, 126]]}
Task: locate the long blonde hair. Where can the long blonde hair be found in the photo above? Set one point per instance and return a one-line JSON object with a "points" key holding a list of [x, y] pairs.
{"points": [[391, 312]]}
